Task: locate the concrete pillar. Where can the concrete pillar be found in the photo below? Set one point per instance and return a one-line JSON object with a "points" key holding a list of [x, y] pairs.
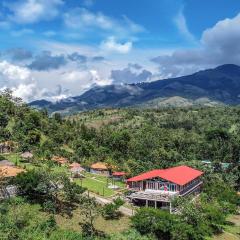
{"points": [[155, 204], [170, 207], [146, 203]]}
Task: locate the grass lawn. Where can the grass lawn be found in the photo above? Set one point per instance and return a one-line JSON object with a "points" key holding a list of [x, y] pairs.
{"points": [[13, 157], [18, 161], [94, 186], [93, 182], [108, 226], [98, 184], [231, 231]]}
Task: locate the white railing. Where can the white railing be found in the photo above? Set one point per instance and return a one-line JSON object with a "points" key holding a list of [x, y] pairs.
{"points": [[154, 195], [190, 188]]}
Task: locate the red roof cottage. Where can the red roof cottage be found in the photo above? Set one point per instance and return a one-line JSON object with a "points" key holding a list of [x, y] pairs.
{"points": [[118, 175], [159, 187], [100, 168]]}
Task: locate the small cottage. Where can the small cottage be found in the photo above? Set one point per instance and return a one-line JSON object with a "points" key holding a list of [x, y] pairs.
{"points": [[100, 168], [76, 170], [119, 176], [27, 155], [74, 165], [7, 146], [6, 173], [60, 160], [6, 163]]}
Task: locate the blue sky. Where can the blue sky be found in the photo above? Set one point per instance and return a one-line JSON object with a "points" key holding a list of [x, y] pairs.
{"points": [[54, 48]]}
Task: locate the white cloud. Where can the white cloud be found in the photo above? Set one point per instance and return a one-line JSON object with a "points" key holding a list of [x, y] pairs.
{"points": [[219, 45], [131, 74], [31, 85], [134, 27], [85, 20], [181, 24], [25, 91], [111, 45], [72, 81], [13, 72], [18, 79], [224, 37], [77, 77], [32, 11], [81, 17], [98, 80]]}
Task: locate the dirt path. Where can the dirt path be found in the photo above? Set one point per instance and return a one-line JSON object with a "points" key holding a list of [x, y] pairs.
{"points": [[124, 210]]}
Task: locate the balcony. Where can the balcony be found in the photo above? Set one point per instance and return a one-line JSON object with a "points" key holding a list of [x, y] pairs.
{"points": [[191, 188], [154, 195]]}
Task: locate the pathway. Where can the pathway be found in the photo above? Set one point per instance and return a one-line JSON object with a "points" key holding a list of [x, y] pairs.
{"points": [[124, 210]]}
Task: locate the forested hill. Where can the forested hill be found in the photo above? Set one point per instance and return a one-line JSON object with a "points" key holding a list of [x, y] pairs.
{"points": [[131, 139], [205, 88]]}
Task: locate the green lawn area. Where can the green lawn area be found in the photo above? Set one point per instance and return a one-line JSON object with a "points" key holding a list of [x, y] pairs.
{"points": [[18, 161], [93, 182], [231, 231], [98, 184], [108, 226], [13, 157]]}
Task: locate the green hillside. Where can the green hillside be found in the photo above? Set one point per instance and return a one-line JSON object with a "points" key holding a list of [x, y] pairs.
{"points": [[131, 140]]}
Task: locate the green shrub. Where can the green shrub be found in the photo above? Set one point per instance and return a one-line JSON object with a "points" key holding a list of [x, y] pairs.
{"points": [[111, 210]]}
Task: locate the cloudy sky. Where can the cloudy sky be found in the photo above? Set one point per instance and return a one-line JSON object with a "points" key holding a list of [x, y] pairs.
{"points": [[53, 49]]}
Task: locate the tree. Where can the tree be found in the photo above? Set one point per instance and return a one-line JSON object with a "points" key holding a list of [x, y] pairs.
{"points": [[90, 211], [49, 188], [154, 221], [21, 220], [111, 210], [130, 235]]}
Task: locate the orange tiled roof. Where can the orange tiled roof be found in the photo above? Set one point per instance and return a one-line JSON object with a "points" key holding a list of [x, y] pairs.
{"points": [[99, 165], [74, 165], [10, 171], [60, 160]]}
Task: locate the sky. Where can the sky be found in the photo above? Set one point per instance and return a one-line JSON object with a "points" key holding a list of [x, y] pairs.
{"points": [[53, 49]]}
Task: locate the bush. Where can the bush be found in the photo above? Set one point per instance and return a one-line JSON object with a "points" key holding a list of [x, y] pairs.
{"points": [[20, 220], [130, 235], [118, 202], [154, 221], [66, 235], [111, 210], [49, 188]]}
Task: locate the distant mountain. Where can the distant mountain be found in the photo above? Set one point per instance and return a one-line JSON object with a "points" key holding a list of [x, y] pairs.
{"points": [[40, 103], [209, 87]]}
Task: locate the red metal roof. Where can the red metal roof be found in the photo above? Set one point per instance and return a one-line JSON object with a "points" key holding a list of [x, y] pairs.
{"points": [[180, 175], [119, 174]]}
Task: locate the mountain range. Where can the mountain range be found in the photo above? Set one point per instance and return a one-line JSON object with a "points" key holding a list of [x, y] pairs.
{"points": [[209, 87]]}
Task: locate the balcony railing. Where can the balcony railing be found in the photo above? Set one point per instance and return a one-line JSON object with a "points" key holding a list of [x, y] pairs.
{"points": [[190, 188], [164, 196]]}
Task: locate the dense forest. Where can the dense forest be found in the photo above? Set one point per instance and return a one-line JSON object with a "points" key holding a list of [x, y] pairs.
{"points": [[134, 141], [131, 139]]}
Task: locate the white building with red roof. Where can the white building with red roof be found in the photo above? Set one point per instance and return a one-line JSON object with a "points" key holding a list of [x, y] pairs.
{"points": [[159, 187]]}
